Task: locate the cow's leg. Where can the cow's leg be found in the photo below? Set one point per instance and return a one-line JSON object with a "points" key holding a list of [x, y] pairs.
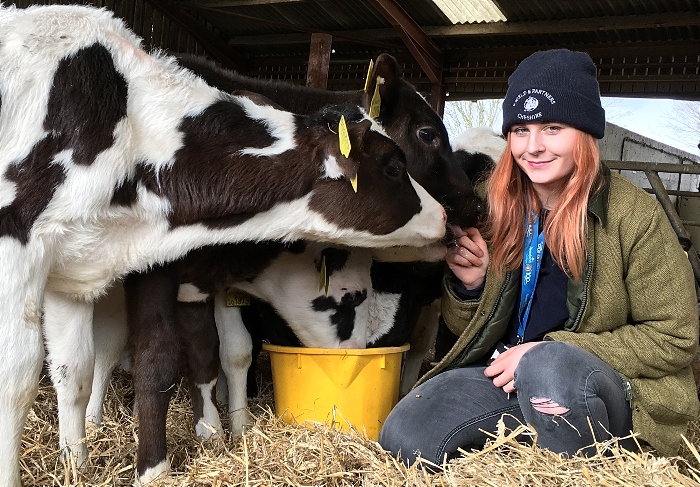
{"points": [[421, 340], [151, 301], [253, 321], [71, 358], [201, 344], [22, 356], [110, 333], [235, 351]]}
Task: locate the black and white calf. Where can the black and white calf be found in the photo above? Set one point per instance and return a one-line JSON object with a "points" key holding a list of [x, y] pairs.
{"points": [[112, 160]]}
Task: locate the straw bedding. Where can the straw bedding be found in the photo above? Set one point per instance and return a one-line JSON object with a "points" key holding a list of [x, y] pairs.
{"points": [[273, 453]]}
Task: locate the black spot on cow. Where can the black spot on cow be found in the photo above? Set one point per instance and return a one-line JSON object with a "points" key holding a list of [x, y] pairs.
{"points": [[208, 145], [125, 193], [36, 180], [343, 316], [418, 284], [335, 260], [87, 99]]}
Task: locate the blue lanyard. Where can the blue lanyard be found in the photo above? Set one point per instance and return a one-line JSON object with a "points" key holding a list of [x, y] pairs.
{"points": [[532, 257]]}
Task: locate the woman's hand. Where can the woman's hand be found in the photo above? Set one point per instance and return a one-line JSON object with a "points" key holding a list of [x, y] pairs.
{"points": [[502, 369], [469, 258]]}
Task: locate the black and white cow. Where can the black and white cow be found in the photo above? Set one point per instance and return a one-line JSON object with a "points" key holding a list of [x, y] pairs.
{"points": [[112, 160]]}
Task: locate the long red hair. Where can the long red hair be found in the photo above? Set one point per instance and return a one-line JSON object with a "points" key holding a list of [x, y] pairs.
{"points": [[511, 195]]}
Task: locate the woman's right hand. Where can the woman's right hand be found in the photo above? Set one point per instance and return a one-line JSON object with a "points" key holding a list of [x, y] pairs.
{"points": [[469, 258]]}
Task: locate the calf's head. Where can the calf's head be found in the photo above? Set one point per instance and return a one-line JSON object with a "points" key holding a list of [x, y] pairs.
{"points": [[420, 132], [360, 190]]}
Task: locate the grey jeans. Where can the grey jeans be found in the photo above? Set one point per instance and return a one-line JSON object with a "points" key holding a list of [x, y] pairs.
{"points": [[449, 410]]}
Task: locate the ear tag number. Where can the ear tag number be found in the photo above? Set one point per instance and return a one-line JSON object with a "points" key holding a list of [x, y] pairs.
{"points": [[376, 102], [369, 74], [324, 280], [236, 298]]}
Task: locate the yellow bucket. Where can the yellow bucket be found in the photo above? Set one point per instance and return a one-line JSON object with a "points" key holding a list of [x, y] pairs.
{"points": [[336, 386]]}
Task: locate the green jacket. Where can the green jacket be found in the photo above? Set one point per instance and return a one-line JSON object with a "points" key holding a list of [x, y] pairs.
{"points": [[635, 308]]}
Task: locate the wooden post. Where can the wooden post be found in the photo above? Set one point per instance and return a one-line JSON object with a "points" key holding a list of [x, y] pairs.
{"points": [[319, 58], [437, 98]]}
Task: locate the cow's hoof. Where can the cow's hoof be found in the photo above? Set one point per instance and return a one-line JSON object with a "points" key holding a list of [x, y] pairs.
{"points": [[206, 431], [76, 453], [239, 419], [152, 473]]}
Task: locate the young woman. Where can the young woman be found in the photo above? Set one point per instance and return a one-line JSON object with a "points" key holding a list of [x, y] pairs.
{"points": [[576, 312]]}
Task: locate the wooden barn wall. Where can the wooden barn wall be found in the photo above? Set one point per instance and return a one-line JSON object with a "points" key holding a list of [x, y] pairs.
{"points": [[156, 29]]}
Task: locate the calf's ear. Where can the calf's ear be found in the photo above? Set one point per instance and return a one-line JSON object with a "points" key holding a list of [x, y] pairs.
{"points": [[342, 147], [357, 132], [386, 73]]}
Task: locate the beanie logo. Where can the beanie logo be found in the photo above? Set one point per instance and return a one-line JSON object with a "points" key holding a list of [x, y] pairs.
{"points": [[530, 104]]}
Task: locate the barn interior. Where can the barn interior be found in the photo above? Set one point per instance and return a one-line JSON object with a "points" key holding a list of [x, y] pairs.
{"points": [[450, 50]]}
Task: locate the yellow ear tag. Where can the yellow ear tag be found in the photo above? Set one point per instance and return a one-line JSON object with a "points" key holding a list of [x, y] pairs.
{"points": [[353, 181], [236, 298], [344, 137], [369, 73], [376, 102], [324, 280]]}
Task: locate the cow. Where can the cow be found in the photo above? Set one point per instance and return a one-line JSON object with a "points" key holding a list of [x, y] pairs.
{"points": [[113, 160]]}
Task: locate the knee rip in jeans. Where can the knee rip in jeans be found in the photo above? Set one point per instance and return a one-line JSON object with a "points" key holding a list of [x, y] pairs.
{"points": [[547, 406]]}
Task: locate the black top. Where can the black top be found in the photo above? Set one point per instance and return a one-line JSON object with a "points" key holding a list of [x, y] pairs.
{"points": [[548, 311]]}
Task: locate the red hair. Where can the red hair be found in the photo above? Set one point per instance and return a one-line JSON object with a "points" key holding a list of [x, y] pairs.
{"points": [[509, 192]]}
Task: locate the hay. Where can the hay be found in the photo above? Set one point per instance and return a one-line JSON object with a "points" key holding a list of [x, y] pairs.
{"points": [[273, 453]]}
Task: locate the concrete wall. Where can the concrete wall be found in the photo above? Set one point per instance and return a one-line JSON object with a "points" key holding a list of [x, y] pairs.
{"points": [[621, 144]]}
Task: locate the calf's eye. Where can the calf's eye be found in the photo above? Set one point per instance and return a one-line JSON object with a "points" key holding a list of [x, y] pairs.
{"points": [[428, 135], [393, 170]]}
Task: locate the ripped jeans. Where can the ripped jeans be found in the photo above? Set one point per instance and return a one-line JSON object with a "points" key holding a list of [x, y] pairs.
{"points": [[559, 387]]}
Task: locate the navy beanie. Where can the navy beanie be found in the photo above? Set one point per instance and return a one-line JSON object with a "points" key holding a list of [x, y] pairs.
{"points": [[555, 86]]}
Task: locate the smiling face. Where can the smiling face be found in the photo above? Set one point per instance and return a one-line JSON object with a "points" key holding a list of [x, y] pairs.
{"points": [[544, 151]]}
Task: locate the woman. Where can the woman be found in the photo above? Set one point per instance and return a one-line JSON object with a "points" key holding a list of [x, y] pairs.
{"points": [[579, 317]]}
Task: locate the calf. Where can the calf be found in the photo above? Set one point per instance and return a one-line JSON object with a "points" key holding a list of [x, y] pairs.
{"points": [[112, 160]]}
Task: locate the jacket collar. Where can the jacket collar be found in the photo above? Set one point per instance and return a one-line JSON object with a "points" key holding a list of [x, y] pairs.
{"points": [[598, 202]]}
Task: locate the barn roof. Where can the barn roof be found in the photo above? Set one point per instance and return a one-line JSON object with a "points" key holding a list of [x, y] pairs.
{"points": [[642, 48]]}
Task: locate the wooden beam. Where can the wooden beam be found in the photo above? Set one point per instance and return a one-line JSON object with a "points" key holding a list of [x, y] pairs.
{"points": [[295, 28], [419, 44], [319, 59], [216, 47], [596, 24]]}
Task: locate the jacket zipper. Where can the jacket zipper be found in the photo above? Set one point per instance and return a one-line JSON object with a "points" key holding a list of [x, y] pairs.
{"points": [[466, 349], [584, 294]]}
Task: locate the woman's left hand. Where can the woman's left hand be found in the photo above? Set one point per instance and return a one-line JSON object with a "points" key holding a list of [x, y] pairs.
{"points": [[502, 369]]}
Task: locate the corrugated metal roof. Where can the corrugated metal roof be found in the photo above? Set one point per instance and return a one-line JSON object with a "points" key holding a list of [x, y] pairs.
{"points": [[470, 11]]}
